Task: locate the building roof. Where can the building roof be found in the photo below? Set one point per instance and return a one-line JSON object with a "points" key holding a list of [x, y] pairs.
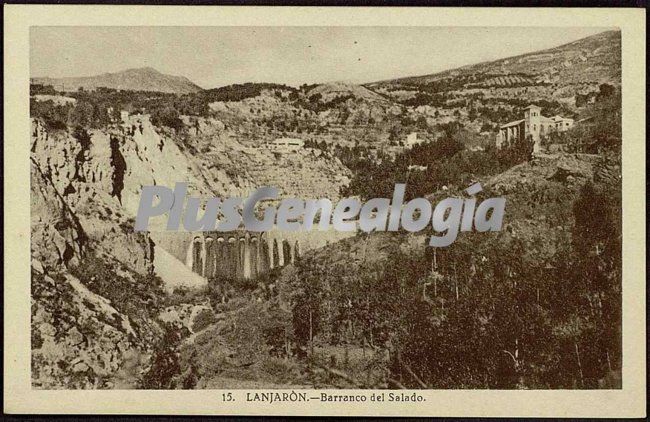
{"points": [[532, 106], [559, 118], [515, 123]]}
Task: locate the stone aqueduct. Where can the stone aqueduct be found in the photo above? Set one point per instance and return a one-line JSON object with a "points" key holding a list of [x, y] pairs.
{"points": [[239, 254]]}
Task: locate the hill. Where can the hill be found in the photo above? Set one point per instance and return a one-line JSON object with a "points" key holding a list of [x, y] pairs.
{"points": [[377, 116], [333, 90], [595, 59], [486, 296], [140, 79], [496, 91]]}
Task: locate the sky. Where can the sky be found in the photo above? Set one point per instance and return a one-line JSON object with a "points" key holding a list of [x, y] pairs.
{"points": [[218, 56]]}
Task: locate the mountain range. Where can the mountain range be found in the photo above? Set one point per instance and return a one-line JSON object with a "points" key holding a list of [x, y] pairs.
{"points": [[594, 59]]}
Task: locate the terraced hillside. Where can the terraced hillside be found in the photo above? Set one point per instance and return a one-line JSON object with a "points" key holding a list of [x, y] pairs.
{"points": [[485, 95], [589, 61]]}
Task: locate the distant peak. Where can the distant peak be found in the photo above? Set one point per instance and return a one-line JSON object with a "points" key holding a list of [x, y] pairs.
{"points": [[146, 69]]}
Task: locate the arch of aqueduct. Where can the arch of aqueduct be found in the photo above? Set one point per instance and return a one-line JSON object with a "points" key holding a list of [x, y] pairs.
{"points": [[239, 254]]}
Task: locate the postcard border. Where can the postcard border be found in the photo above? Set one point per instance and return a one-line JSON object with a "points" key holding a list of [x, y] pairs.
{"points": [[19, 397]]}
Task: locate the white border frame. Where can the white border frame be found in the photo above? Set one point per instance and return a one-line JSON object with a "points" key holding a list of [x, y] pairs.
{"points": [[19, 397]]}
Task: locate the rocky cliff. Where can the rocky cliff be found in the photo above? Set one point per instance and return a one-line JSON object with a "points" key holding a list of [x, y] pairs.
{"points": [[97, 286], [85, 259], [95, 292]]}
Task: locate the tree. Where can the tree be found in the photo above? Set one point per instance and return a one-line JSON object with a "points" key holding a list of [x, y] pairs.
{"points": [[472, 115], [164, 361], [605, 91], [167, 116], [191, 378], [598, 252]]}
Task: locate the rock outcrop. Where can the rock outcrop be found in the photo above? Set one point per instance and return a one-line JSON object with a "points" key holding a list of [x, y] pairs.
{"points": [[99, 287]]}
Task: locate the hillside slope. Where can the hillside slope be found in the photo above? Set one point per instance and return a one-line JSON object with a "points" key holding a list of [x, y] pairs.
{"points": [[485, 95], [595, 59], [140, 79], [95, 286], [517, 290]]}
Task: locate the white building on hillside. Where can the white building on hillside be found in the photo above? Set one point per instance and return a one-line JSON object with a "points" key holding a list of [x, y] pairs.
{"points": [[124, 116], [412, 140], [562, 124], [286, 144], [533, 125]]}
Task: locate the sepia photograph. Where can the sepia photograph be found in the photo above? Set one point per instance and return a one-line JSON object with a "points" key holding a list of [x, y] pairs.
{"points": [[531, 114], [324, 211]]}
